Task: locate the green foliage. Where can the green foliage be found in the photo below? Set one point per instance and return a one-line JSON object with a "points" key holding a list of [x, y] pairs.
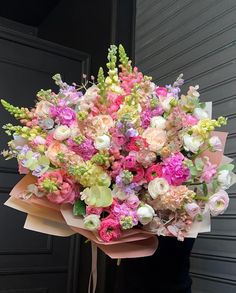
{"points": [[79, 208], [18, 113]]}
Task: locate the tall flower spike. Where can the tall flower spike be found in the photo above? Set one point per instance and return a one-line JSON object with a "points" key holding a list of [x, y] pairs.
{"points": [[18, 113], [101, 84], [124, 59]]}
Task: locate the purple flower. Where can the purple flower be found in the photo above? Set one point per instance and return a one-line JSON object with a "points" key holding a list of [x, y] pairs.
{"points": [[146, 116], [85, 149], [174, 171], [64, 115]]}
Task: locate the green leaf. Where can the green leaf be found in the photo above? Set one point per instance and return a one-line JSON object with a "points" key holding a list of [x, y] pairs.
{"points": [[228, 167], [79, 208], [199, 164], [205, 189]]}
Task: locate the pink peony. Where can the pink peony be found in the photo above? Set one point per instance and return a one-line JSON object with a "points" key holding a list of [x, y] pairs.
{"points": [[58, 187], [174, 171], [153, 172], [109, 229]]}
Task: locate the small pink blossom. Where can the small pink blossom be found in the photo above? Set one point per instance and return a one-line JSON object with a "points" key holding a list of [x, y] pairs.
{"points": [[161, 91], [132, 201], [129, 162], [109, 229], [209, 171], [92, 210], [192, 209]]}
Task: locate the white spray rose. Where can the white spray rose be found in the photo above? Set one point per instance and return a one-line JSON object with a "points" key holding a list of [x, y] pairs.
{"points": [[200, 113], [192, 143], [145, 214], [218, 203], [215, 143], [92, 222], [62, 132], [224, 179], [158, 122], [102, 142], [158, 186]]}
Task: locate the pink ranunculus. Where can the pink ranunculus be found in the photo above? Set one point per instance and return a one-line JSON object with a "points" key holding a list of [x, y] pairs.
{"points": [[129, 162], [161, 91], [153, 171], [109, 229], [218, 203], [192, 209], [65, 191], [93, 210], [138, 174]]}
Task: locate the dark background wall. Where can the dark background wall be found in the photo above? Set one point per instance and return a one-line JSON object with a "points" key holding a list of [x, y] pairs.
{"points": [[198, 38]]}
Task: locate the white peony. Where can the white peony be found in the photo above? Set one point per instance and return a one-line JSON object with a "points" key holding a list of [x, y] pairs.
{"points": [[224, 179], [92, 222], [145, 214], [192, 143], [215, 143], [62, 132], [102, 142], [200, 113], [158, 186], [158, 122]]}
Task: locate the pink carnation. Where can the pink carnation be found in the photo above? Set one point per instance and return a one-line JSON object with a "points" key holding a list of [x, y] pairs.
{"points": [[174, 171], [66, 191], [109, 229]]}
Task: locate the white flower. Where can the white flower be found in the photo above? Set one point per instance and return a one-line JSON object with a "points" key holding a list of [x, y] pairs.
{"points": [[92, 222], [158, 186], [158, 122], [43, 109], [145, 214], [215, 143], [224, 178], [218, 203], [62, 132], [102, 142], [192, 209], [200, 113], [118, 193], [192, 143], [165, 102]]}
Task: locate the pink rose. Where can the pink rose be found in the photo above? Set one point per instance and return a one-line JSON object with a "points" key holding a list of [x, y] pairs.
{"points": [[53, 150], [192, 209], [218, 203]]}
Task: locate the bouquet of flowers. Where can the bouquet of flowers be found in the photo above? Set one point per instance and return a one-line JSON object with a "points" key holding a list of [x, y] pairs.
{"points": [[119, 159]]}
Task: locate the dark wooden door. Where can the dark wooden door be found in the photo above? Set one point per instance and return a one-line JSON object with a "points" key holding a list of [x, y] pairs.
{"points": [[31, 262]]}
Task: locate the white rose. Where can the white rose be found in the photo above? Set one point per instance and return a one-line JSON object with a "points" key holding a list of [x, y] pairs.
{"points": [[92, 222], [91, 93], [62, 132], [218, 203], [224, 179], [158, 122], [192, 143], [215, 143], [145, 214], [102, 142], [158, 186], [200, 113]]}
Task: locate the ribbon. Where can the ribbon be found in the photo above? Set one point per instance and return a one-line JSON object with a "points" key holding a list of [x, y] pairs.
{"points": [[93, 274]]}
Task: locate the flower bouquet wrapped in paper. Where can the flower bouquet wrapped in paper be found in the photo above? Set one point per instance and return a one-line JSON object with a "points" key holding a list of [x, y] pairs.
{"points": [[119, 160]]}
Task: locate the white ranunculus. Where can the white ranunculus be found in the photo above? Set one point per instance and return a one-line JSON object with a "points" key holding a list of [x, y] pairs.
{"points": [[215, 143], [92, 222], [62, 132], [192, 143], [158, 186], [218, 203], [145, 214], [224, 179], [158, 122], [102, 142], [200, 113]]}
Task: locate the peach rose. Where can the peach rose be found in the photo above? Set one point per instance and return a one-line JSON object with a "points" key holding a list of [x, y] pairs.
{"points": [[42, 109], [155, 137], [53, 150]]}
